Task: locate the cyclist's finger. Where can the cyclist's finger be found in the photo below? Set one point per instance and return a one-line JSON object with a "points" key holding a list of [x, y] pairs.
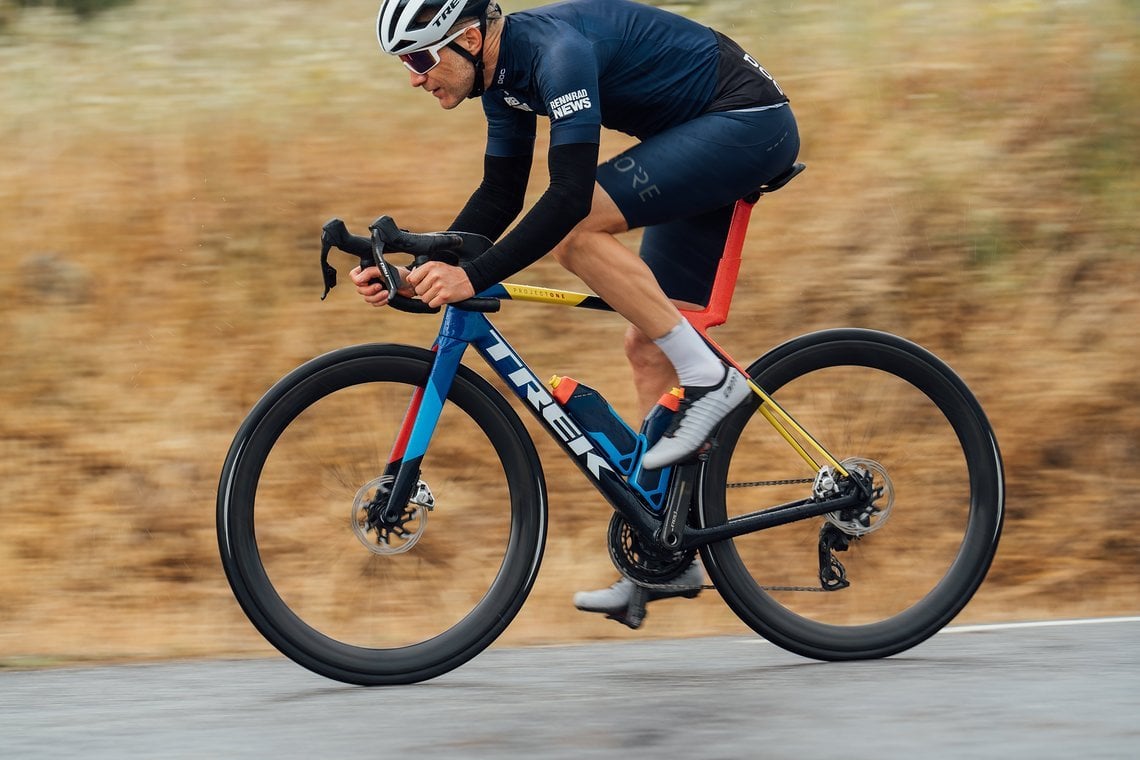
{"points": [[414, 276], [380, 299], [363, 277], [429, 287], [437, 284]]}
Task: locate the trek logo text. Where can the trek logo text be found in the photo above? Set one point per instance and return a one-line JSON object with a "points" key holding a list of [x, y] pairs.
{"points": [[530, 388], [446, 13]]}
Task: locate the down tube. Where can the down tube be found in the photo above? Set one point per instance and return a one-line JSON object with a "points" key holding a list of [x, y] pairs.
{"points": [[592, 461]]}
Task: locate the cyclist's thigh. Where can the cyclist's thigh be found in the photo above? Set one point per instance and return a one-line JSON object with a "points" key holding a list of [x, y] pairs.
{"points": [[684, 254], [701, 165]]}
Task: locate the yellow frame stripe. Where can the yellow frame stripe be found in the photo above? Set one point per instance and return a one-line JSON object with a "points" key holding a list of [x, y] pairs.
{"points": [[544, 295]]}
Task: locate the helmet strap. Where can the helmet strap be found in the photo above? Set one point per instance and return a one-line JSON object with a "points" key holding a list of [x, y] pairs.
{"points": [[476, 59]]}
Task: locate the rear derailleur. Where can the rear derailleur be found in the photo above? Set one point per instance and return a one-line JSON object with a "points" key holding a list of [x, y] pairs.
{"points": [[867, 479]]}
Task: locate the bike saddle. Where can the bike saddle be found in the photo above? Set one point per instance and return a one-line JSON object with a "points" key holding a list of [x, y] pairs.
{"points": [[775, 183]]}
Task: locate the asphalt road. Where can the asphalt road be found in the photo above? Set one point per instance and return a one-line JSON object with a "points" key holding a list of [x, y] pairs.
{"points": [[1049, 691]]}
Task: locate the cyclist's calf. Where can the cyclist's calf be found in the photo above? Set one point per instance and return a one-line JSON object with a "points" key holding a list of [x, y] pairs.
{"points": [[653, 374]]}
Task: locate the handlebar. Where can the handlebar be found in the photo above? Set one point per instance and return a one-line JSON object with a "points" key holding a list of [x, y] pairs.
{"points": [[370, 251]]}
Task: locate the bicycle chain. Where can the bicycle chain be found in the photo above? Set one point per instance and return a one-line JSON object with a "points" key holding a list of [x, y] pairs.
{"points": [[743, 484], [674, 587], [754, 483]]}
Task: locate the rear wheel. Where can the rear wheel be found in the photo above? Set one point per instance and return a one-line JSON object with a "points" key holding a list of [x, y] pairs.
{"points": [[897, 416], [359, 600]]}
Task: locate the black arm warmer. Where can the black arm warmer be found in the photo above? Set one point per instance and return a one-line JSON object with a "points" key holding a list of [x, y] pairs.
{"points": [[573, 169], [498, 199]]}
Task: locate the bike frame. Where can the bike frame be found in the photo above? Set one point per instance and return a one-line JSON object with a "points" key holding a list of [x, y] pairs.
{"points": [[460, 329]]}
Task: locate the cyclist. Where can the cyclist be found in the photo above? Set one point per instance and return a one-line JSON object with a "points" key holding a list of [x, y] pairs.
{"points": [[713, 126]]}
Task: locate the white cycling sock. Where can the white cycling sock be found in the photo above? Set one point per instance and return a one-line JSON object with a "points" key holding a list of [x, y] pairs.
{"points": [[694, 361]]}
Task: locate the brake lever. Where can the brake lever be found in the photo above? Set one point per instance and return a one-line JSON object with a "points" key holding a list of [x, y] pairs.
{"points": [[328, 274], [392, 277], [334, 234]]}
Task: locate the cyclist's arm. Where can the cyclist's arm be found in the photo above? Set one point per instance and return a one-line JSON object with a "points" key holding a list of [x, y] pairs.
{"points": [[498, 199], [573, 168], [566, 81]]}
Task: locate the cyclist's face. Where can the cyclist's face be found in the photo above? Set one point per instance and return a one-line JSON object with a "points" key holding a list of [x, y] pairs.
{"points": [[451, 79]]}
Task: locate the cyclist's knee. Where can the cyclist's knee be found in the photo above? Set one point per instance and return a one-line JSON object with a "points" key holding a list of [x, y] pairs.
{"points": [[579, 242], [604, 219], [561, 252]]}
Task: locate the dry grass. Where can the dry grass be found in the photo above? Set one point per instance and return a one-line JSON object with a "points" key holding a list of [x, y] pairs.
{"points": [[164, 171]]}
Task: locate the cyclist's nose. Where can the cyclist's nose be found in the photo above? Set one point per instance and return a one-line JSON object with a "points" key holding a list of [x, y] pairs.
{"points": [[417, 79]]}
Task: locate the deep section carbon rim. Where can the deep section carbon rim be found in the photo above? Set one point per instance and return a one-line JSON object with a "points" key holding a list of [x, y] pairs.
{"points": [[295, 558], [877, 398]]}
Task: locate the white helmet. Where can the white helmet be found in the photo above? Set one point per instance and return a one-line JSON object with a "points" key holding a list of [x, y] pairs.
{"points": [[399, 32]]}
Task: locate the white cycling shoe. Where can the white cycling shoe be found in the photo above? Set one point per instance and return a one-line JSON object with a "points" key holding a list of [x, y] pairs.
{"points": [[701, 410], [625, 600]]}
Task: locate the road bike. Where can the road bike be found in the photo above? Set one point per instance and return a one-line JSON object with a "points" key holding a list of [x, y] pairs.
{"points": [[326, 493]]}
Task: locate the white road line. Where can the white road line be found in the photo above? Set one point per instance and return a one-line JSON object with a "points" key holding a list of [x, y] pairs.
{"points": [[1036, 624]]}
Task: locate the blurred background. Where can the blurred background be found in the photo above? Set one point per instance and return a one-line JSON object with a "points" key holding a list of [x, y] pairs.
{"points": [[165, 167]]}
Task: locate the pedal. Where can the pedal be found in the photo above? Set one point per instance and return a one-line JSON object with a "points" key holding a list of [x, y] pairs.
{"points": [[634, 614]]}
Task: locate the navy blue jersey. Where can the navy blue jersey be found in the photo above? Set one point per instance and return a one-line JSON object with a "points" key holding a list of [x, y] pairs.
{"points": [[586, 64], [667, 80]]}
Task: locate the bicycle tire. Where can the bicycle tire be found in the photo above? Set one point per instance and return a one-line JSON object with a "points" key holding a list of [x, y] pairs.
{"points": [[907, 411], [318, 591]]}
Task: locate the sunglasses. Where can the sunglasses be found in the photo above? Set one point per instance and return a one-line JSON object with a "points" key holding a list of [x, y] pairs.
{"points": [[422, 61]]}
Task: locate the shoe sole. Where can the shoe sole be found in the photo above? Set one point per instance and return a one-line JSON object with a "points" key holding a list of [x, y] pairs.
{"points": [[653, 597]]}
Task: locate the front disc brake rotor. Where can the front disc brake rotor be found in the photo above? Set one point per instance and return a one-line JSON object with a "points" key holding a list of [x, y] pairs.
{"points": [[380, 537]]}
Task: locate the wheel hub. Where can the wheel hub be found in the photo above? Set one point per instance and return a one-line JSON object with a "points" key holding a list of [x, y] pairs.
{"points": [[873, 513], [380, 536]]}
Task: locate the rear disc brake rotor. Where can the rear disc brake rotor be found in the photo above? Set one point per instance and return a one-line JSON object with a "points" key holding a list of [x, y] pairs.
{"points": [[860, 522]]}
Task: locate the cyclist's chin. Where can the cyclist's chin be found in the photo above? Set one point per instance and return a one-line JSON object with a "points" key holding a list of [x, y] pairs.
{"points": [[447, 101], [446, 97]]}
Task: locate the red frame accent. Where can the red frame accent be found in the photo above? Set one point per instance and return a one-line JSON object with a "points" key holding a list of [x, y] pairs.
{"points": [[401, 444], [716, 312]]}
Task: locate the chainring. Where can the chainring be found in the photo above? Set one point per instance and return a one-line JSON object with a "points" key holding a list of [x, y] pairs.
{"points": [[641, 563]]}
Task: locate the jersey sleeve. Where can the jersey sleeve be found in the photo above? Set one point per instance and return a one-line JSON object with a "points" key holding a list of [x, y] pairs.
{"points": [[567, 80], [510, 132]]}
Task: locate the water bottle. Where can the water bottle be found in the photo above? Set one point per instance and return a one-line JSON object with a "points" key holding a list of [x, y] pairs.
{"points": [[654, 484], [598, 420], [660, 416]]}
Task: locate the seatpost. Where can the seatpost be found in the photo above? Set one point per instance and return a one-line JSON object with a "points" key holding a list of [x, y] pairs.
{"points": [[724, 284]]}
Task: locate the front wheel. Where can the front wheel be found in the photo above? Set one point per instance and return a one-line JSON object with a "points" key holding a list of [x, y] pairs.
{"points": [[900, 418], [348, 597]]}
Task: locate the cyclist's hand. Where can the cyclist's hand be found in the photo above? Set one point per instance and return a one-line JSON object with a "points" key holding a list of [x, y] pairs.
{"points": [[374, 292], [437, 283]]}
